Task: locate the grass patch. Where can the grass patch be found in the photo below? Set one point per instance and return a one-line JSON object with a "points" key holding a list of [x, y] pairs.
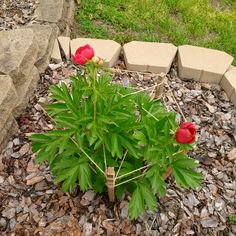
{"points": [[207, 23]]}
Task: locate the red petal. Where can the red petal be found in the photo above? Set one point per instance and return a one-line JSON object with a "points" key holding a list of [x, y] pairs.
{"points": [[88, 53], [81, 49], [184, 136], [190, 126], [79, 60]]}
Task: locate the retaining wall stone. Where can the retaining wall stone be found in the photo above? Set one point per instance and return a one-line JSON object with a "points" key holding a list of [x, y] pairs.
{"points": [[8, 97], [49, 11], [7, 129], [45, 36], [18, 53], [202, 64], [26, 90], [60, 12], [26, 52]]}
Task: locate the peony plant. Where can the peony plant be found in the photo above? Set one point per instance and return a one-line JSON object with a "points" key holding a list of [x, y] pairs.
{"points": [[110, 138]]}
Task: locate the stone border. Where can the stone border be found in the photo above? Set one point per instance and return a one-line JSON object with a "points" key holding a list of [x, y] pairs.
{"points": [[24, 54], [196, 63]]}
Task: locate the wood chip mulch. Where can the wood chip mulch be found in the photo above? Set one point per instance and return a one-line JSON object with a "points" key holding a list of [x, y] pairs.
{"points": [[31, 204]]}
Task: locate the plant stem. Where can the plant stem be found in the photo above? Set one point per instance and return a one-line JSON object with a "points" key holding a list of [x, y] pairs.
{"points": [[128, 180], [104, 156], [150, 114], [136, 92], [131, 172], [82, 150], [94, 92], [121, 163]]}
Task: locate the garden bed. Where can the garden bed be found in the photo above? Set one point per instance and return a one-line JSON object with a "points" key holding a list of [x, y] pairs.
{"points": [[16, 13], [32, 204]]}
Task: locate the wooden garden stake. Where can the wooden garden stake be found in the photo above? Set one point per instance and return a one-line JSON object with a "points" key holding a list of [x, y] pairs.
{"points": [[160, 86], [110, 179]]}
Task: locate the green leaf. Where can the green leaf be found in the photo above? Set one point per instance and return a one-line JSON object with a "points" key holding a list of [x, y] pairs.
{"points": [[116, 149], [141, 137], [69, 169], [99, 183], [157, 182], [148, 196], [120, 191], [41, 138], [183, 161], [232, 219], [183, 173], [130, 145], [84, 176], [57, 93], [136, 204]]}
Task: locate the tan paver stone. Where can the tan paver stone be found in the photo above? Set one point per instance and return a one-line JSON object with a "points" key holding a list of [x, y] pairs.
{"points": [[7, 129], [202, 64], [8, 97], [18, 53], [146, 56], [49, 10], [56, 54], [228, 81], [108, 50], [26, 90], [45, 36], [65, 45]]}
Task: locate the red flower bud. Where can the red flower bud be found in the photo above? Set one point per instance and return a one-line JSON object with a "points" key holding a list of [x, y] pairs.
{"points": [[83, 54], [186, 133]]}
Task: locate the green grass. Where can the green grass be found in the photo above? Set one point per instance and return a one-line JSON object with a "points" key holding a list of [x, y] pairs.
{"points": [[207, 23]]}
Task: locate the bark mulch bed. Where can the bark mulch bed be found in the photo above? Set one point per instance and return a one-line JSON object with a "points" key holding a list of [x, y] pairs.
{"points": [[16, 13], [30, 203]]}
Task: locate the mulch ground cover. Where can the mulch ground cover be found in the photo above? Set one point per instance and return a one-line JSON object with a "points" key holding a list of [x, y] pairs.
{"points": [[31, 204]]}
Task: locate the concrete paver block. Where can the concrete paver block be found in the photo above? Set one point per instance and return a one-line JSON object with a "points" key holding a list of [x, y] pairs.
{"points": [[26, 90], [8, 97], [64, 42], [45, 36], [228, 81], [149, 56], [56, 54], [18, 53], [108, 50], [202, 64]]}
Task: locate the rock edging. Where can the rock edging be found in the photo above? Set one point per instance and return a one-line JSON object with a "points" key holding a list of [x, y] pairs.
{"points": [[197, 63], [24, 54]]}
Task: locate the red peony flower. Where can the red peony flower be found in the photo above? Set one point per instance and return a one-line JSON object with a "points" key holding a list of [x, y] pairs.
{"points": [[186, 133], [83, 54]]}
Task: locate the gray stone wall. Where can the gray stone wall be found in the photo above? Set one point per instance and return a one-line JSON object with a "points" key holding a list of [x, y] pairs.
{"points": [[24, 54]]}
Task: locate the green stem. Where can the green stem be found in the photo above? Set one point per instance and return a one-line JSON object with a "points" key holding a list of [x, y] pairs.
{"points": [[131, 172], [94, 92], [82, 150], [128, 180], [121, 164]]}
